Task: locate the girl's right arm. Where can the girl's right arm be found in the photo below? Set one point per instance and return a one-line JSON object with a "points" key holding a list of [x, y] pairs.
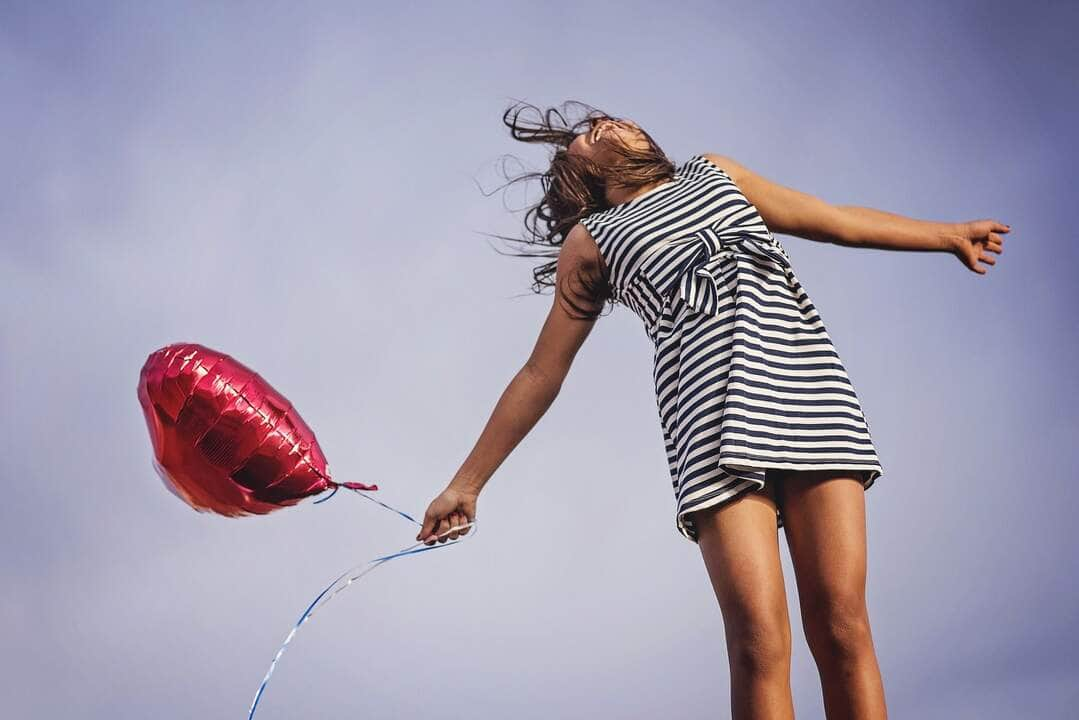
{"points": [[529, 394]]}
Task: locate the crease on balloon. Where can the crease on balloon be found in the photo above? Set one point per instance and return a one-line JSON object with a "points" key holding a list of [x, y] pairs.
{"points": [[304, 457]]}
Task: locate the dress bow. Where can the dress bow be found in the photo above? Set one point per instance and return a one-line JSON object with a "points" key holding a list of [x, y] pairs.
{"points": [[702, 273]]}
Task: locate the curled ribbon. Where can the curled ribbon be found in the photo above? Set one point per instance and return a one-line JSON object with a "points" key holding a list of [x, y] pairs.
{"points": [[347, 578]]}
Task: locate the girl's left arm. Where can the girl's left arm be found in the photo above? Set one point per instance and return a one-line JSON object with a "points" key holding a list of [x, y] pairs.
{"points": [[791, 212]]}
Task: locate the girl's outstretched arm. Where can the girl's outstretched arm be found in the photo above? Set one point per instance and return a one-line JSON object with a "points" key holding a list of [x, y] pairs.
{"points": [[788, 211], [527, 397]]}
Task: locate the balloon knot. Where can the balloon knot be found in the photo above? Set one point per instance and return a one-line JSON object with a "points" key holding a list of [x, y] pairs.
{"points": [[357, 486]]}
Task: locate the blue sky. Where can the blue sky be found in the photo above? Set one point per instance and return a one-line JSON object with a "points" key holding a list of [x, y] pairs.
{"points": [[301, 188]]}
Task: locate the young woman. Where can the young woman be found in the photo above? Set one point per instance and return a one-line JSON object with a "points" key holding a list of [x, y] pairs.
{"points": [[761, 424]]}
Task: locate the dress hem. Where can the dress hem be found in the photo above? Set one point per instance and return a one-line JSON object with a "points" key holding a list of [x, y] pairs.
{"points": [[736, 471]]}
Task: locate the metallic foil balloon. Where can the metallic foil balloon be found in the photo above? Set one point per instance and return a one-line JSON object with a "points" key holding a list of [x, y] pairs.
{"points": [[224, 440]]}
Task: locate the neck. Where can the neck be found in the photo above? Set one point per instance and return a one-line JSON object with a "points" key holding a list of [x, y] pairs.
{"points": [[618, 196]]}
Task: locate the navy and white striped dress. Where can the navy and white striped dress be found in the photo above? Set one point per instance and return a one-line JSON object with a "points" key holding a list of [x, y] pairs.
{"points": [[746, 376]]}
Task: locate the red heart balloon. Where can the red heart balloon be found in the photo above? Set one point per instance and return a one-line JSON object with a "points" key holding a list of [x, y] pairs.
{"points": [[224, 440]]}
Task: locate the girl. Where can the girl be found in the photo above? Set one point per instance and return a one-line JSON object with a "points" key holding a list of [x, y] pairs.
{"points": [[761, 424]]}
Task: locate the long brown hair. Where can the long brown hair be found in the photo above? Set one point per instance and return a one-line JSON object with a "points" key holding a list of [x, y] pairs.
{"points": [[575, 187]]}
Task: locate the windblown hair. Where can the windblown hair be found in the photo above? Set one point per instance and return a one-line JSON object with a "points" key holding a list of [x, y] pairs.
{"points": [[574, 187]]}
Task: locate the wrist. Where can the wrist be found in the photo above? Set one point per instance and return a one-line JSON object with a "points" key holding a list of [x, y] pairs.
{"points": [[949, 238], [467, 484]]}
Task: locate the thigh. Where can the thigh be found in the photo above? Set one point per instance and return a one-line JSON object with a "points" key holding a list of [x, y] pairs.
{"points": [[740, 547], [824, 521]]}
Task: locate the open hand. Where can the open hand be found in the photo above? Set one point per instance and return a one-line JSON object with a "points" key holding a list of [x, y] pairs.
{"points": [[454, 506], [976, 239]]}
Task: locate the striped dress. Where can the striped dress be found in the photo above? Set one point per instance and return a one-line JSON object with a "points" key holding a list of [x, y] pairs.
{"points": [[745, 373]]}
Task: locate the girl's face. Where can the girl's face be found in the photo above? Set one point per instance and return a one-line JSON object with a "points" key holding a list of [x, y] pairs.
{"points": [[594, 143]]}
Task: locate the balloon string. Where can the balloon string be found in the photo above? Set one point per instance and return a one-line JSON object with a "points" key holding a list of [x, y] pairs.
{"points": [[375, 500], [335, 489], [404, 515], [350, 576]]}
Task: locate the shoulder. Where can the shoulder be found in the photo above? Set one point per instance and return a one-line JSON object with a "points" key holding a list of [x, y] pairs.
{"points": [[588, 230], [579, 241], [733, 168], [579, 248]]}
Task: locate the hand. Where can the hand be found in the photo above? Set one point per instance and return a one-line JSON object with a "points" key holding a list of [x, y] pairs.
{"points": [[975, 239], [454, 506]]}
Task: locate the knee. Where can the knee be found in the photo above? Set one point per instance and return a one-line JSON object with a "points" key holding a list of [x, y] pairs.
{"points": [[837, 627], [759, 648]]}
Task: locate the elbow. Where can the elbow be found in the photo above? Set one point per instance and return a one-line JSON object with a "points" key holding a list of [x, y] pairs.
{"points": [[839, 237], [838, 228], [547, 379], [811, 218]]}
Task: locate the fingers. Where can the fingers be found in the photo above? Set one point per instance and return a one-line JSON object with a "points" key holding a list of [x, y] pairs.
{"points": [[456, 521], [978, 268], [440, 528], [443, 527], [989, 225], [428, 524], [429, 533], [971, 256], [986, 236]]}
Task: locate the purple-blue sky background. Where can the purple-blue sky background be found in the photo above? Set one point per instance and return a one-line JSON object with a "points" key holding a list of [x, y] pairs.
{"points": [[297, 186]]}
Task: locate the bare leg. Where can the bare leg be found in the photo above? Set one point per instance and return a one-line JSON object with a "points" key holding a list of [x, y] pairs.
{"points": [[824, 520], [740, 547]]}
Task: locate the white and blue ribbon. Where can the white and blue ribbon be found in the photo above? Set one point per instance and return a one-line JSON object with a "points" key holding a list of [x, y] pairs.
{"points": [[347, 578]]}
